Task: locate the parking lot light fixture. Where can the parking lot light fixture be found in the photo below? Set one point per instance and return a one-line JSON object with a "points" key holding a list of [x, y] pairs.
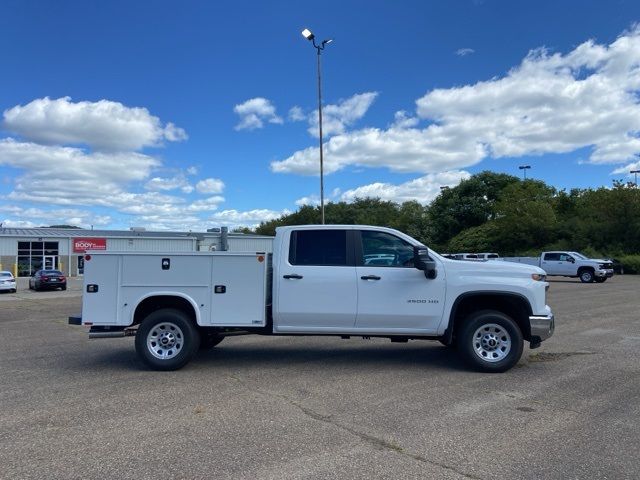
{"points": [[306, 33], [524, 169]]}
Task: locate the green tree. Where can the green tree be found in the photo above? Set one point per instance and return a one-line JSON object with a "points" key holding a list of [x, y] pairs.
{"points": [[469, 204]]}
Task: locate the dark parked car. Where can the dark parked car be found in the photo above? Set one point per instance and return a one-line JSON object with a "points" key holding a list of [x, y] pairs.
{"points": [[48, 279]]}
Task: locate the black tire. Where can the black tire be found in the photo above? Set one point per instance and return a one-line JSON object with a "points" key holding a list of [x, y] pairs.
{"points": [[30, 287], [586, 275], [209, 340], [178, 333], [490, 341], [601, 279], [64, 287]]}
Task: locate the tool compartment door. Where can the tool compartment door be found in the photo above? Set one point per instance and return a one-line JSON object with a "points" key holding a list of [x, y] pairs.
{"points": [[238, 290]]}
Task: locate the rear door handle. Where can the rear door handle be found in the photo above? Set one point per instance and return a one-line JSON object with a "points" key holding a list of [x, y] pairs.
{"points": [[370, 277], [294, 275]]}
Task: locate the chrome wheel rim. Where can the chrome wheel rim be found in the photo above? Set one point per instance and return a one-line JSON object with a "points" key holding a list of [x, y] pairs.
{"points": [[165, 340], [491, 342], [586, 277]]}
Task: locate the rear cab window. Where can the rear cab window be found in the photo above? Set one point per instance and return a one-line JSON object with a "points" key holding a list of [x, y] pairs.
{"points": [[319, 248]]}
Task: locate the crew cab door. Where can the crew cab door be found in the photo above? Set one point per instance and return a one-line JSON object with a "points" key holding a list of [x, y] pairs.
{"points": [[392, 293], [317, 282], [556, 263]]}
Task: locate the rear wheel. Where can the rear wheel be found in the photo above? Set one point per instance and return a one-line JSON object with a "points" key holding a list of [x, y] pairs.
{"points": [[490, 341], [586, 276], [167, 339], [64, 287]]}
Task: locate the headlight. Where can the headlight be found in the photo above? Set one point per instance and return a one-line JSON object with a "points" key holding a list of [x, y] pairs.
{"points": [[538, 277]]}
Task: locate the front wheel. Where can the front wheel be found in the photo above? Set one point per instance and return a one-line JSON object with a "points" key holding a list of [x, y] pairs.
{"points": [[586, 276], [167, 339], [490, 341]]}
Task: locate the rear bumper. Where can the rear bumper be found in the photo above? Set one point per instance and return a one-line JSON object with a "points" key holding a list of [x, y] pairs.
{"points": [[542, 326]]}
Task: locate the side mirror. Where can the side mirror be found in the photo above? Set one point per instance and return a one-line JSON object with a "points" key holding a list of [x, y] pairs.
{"points": [[422, 262], [571, 260]]}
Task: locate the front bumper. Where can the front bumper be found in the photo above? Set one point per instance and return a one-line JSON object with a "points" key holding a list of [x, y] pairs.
{"points": [[542, 327], [607, 273]]}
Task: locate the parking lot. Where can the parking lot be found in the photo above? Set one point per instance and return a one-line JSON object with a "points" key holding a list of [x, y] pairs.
{"points": [[301, 407]]}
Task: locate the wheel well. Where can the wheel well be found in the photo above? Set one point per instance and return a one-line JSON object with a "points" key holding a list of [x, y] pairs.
{"points": [[151, 304], [582, 269], [515, 306]]}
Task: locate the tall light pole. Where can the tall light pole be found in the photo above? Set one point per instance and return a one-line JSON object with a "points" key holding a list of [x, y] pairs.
{"points": [[306, 33], [524, 169], [635, 172]]}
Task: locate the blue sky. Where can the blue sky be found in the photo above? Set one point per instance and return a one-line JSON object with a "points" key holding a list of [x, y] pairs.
{"points": [[192, 114]]}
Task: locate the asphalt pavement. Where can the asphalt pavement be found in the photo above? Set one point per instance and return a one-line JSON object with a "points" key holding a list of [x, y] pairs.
{"points": [[322, 408]]}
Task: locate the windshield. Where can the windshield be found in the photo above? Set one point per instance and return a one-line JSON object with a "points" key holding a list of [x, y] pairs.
{"points": [[579, 255], [6, 274]]}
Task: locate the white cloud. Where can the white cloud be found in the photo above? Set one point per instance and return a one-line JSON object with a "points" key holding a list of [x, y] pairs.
{"points": [[67, 176], [626, 170], [210, 185], [53, 167], [296, 114], [103, 125], [402, 119], [423, 189], [312, 200], [337, 117], [34, 217], [254, 112], [550, 103], [399, 149], [250, 218], [61, 178], [166, 184], [463, 52]]}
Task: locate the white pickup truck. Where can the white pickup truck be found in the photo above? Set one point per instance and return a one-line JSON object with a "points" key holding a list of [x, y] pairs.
{"points": [[321, 280], [569, 264]]}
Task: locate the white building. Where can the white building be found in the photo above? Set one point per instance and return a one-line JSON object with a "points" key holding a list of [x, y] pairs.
{"points": [[25, 250]]}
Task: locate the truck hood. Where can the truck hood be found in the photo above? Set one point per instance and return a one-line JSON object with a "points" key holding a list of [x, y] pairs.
{"points": [[495, 268]]}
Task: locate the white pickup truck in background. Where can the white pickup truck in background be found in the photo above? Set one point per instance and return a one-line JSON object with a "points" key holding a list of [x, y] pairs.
{"points": [[321, 280], [569, 264]]}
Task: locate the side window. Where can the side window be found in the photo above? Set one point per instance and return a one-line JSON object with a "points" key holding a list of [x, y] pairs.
{"points": [[565, 258], [318, 247], [386, 250], [552, 256]]}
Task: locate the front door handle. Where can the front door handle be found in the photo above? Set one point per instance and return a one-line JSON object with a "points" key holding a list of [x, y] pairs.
{"points": [[370, 277], [294, 275]]}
